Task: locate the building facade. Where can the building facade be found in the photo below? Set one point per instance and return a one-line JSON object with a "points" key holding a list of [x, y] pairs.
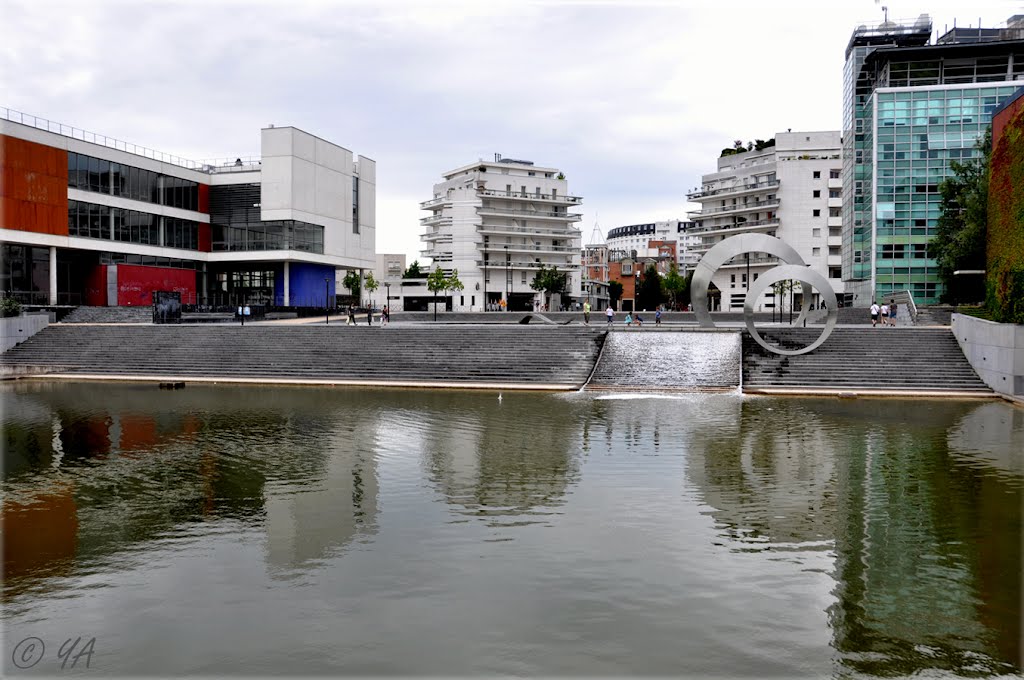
{"points": [[791, 190], [89, 220], [910, 109], [496, 223], [636, 240]]}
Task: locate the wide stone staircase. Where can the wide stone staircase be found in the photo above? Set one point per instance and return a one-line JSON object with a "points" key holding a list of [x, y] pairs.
{"points": [[110, 315], [560, 356], [858, 359]]}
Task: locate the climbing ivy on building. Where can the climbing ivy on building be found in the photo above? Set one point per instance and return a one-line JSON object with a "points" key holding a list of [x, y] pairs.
{"points": [[1005, 252]]}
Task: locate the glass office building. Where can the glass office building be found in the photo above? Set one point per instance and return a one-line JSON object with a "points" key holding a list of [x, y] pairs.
{"points": [[909, 109]]}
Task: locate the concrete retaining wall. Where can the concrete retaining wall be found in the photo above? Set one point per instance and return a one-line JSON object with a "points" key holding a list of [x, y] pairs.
{"points": [[995, 350], [17, 329]]}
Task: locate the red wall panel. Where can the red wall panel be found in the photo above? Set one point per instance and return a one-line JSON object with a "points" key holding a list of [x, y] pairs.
{"points": [[204, 198], [135, 284], [33, 187], [96, 287], [205, 238]]}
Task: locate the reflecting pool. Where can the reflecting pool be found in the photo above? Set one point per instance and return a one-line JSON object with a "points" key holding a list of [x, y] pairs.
{"points": [[241, 530]]}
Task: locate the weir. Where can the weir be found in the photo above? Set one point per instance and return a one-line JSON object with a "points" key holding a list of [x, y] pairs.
{"points": [[669, 360]]}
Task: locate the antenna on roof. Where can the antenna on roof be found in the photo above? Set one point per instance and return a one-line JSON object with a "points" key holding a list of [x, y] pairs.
{"points": [[596, 236]]}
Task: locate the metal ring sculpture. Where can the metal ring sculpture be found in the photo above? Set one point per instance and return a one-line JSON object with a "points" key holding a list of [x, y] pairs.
{"points": [[794, 268]]}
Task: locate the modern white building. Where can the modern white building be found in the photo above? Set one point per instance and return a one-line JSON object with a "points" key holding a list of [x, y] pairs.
{"points": [[496, 222], [635, 239], [89, 219], [792, 190]]}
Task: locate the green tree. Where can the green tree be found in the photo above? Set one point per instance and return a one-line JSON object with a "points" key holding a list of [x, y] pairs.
{"points": [[650, 294], [436, 282], [371, 285], [614, 293], [550, 281], [960, 236], [452, 283], [413, 271], [352, 282], [674, 284]]}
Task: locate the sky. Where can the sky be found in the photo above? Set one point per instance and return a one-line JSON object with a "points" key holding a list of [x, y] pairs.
{"points": [[632, 100]]}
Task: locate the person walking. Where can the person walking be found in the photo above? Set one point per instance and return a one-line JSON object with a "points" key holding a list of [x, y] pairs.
{"points": [[883, 316], [874, 313], [384, 316], [611, 316], [369, 316], [657, 317], [892, 313], [351, 316], [586, 313]]}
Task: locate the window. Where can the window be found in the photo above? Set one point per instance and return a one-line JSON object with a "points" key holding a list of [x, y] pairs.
{"points": [[816, 194], [627, 269], [892, 251], [835, 212], [817, 174], [816, 213], [816, 252], [355, 205], [833, 250], [833, 174], [816, 232], [835, 273], [835, 193]]}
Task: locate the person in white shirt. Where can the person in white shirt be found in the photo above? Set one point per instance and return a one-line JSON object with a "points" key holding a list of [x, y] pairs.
{"points": [[884, 319], [874, 314]]}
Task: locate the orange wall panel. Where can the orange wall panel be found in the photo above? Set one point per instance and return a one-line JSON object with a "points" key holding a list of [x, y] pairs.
{"points": [[33, 187]]}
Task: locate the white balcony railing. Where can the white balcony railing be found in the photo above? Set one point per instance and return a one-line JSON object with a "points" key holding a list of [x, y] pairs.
{"points": [[748, 187], [739, 207], [519, 195]]}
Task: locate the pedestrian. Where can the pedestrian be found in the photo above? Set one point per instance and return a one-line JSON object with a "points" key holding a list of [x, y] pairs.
{"points": [[384, 316], [883, 316], [369, 316], [611, 316], [892, 313], [657, 318], [586, 313], [629, 319], [874, 313], [351, 316], [639, 320]]}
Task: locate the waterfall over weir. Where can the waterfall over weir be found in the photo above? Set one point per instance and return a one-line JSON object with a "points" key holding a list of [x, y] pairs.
{"points": [[669, 360]]}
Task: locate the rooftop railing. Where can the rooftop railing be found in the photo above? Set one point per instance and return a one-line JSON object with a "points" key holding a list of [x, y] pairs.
{"points": [[519, 194], [102, 140]]}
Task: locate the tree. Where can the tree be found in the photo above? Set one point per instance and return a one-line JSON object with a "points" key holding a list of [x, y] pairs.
{"points": [[650, 295], [960, 236], [781, 290], [352, 282], [436, 282], [452, 283], [614, 293], [550, 281], [371, 285], [413, 271], [674, 284]]}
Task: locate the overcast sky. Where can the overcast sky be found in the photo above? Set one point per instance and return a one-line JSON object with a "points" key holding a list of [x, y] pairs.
{"points": [[631, 100]]}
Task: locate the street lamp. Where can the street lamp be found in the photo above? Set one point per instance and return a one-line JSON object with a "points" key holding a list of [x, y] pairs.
{"points": [[327, 301], [508, 277]]}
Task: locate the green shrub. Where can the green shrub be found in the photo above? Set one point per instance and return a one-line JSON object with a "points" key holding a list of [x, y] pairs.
{"points": [[10, 307]]}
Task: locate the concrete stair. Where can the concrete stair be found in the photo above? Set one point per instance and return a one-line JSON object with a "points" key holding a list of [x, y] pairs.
{"points": [[548, 355], [110, 315], [935, 315], [901, 359]]}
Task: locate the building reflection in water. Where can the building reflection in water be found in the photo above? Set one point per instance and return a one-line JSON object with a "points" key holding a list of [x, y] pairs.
{"points": [[921, 505], [509, 462]]}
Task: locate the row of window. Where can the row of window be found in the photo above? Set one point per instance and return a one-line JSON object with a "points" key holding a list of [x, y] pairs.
{"points": [[900, 251], [273, 235], [88, 173], [89, 220], [832, 174], [148, 260]]}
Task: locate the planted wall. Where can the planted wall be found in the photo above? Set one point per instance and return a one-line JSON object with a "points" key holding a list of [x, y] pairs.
{"points": [[1005, 250]]}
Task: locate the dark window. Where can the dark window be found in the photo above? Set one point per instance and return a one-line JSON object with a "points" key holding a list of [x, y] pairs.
{"points": [[355, 204], [817, 193]]}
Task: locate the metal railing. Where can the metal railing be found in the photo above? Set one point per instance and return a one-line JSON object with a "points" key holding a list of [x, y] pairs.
{"points": [[541, 214], [568, 232], [753, 186], [739, 207], [519, 194]]}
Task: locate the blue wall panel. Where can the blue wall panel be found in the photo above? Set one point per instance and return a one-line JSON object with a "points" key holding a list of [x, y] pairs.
{"points": [[306, 283]]}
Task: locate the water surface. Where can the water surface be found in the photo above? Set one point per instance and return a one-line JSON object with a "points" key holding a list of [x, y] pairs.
{"points": [[240, 530]]}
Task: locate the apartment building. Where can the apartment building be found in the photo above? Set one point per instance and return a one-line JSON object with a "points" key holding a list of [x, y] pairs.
{"points": [[496, 223], [791, 189]]}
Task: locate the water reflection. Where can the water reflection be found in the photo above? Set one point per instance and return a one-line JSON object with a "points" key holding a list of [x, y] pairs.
{"points": [[550, 533]]}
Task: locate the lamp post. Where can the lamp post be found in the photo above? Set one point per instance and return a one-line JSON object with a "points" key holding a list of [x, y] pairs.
{"points": [[508, 262], [327, 301]]}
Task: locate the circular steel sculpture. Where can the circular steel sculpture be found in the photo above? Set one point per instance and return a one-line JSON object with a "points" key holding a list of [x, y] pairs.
{"points": [[794, 268]]}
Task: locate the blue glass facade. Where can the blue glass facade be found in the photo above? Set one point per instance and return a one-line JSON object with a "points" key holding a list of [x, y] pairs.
{"points": [[916, 134]]}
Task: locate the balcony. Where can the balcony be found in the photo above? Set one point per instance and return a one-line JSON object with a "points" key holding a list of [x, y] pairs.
{"points": [[436, 236], [739, 228], [437, 220], [737, 190], [567, 232], [520, 196], [435, 203], [500, 263], [528, 248], [738, 208], [529, 214]]}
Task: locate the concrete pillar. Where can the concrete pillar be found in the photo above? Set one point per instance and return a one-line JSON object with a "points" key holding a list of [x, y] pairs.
{"points": [[287, 286], [53, 275]]}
